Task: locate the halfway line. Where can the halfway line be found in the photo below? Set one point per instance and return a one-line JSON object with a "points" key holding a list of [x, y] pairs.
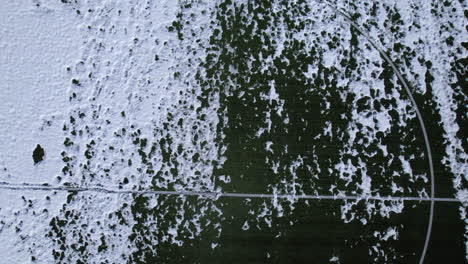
{"points": [[37, 187]]}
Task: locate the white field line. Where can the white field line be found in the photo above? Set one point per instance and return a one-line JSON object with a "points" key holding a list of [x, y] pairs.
{"points": [[37, 187], [418, 114]]}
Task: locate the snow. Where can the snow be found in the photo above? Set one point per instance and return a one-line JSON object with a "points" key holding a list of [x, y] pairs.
{"points": [[33, 85], [119, 100]]}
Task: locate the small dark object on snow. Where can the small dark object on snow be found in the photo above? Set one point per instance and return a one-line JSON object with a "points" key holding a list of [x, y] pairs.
{"points": [[38, 154]]}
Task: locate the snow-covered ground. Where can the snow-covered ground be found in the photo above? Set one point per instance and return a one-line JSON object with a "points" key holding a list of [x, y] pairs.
{"points": [[289, 99]]}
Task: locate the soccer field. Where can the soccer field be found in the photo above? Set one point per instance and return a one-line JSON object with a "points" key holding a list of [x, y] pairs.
{"points": [[233, 131]]}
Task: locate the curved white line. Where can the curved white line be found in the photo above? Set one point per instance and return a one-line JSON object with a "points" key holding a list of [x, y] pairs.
{"points": [[418, 114]]}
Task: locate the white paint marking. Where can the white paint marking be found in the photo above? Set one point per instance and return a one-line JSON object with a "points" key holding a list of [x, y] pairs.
{"points": [[38, 187], [418, 114]]}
